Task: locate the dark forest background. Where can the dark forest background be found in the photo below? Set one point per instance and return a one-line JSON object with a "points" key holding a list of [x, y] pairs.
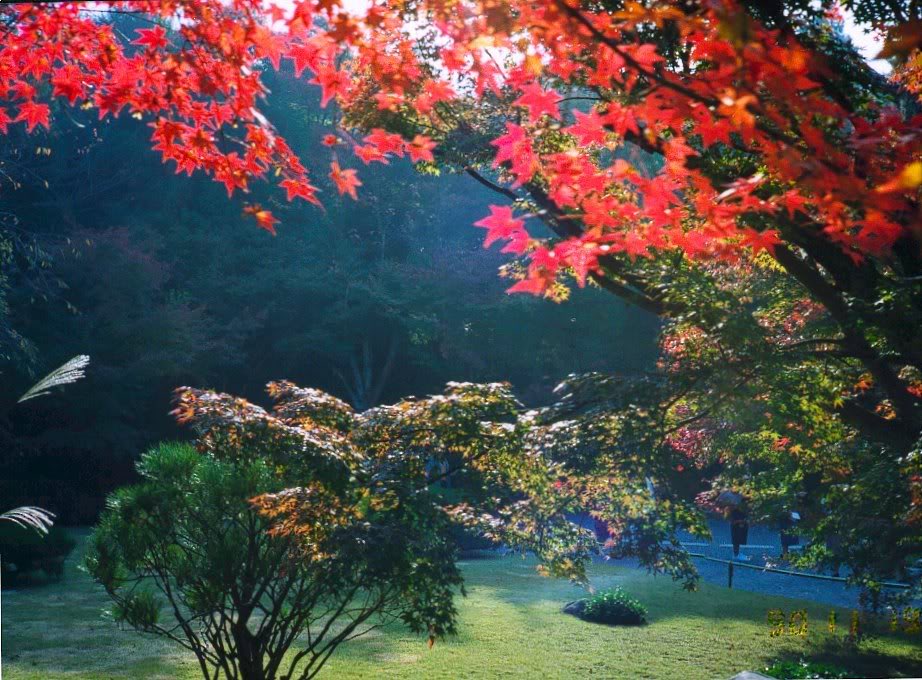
{"points": [[162, 281]]}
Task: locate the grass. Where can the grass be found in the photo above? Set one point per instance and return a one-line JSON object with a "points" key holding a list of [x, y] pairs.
{"points": [[510, 625]]}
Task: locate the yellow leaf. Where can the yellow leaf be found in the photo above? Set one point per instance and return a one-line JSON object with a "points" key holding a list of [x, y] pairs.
{"points": [[908, 179], [481, 42]]}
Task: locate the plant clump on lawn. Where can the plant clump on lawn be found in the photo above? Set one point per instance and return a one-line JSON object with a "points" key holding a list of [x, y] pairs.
{"points": [[612, 606], [795, 670]]}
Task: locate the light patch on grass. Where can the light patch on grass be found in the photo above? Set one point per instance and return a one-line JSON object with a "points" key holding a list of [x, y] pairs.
{"points": [[398, 658]]}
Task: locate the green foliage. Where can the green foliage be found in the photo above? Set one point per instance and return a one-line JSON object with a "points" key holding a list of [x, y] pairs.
{"points": [[469, 542], [796, 670], [475, 430], [614, 607], [187, 544], [24, 550], [139, 610]]}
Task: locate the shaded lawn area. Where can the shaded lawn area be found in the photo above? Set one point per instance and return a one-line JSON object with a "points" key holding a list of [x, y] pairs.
{"points": [[510, 626]]}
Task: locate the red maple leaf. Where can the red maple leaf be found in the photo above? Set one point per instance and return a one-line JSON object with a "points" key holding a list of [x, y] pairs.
{"points": [[263, 217], [588, 129], [386, 142], [792, 201], [332, 82], [345, 180], [509, 142], [67, 81], [370, 154], [268, 44], [208, 83], [736, 108], [305, 55], [434, 91], [151, 38], [33, 114], [620, 119], [635, 245], [539, 101], [389, 101], [646, 55], [500, 225], [515, 148], [300, 188], [533, 285], [165, 134], [420, 149], [760, 240], [519, 243], [22, 90], [581, 255]]}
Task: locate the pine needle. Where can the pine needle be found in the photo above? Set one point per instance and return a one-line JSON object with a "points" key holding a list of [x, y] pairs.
{"points": [[29, 516], [68, 373]]}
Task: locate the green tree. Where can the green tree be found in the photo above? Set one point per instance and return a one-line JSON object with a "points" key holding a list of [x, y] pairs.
{"points": [[239, 596]]}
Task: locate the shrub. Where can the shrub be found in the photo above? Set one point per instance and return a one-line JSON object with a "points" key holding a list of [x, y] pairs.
{"points": [[188, 555], [797, 670], [470, 543], [25, 550], [614, 607]]}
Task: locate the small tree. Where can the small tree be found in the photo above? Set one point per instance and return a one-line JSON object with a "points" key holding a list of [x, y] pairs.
{"points": [[240, 596], [297, 530]]}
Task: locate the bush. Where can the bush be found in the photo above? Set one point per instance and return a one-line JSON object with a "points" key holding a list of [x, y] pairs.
{"points": [[797, 670], [187, 553], [470, 543], [614, 607], [24, 551]]}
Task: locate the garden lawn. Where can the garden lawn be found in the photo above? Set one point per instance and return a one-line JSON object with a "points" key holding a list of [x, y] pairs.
{"points": [[510, 626]]}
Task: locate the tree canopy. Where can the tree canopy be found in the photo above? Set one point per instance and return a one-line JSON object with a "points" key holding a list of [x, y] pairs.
{"points": [[734, 168]]}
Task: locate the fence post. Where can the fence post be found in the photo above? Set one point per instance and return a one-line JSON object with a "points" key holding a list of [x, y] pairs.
{"points": [[730, 575]]}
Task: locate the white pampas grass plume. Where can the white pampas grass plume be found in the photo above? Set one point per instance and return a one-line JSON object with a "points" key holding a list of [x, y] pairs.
{"points": [[29, 516], [68, 373]]}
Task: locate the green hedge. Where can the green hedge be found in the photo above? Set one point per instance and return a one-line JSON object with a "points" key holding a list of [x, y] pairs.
{"points": [[25, 551], [469, 542]]}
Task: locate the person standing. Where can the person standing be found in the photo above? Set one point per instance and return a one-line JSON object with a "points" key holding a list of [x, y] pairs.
{"points": [[786, 525], [739, 530]]}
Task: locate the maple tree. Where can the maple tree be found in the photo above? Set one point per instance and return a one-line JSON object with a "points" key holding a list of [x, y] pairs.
{"points": [[673, 150], [330, 522], [762, 145]]}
